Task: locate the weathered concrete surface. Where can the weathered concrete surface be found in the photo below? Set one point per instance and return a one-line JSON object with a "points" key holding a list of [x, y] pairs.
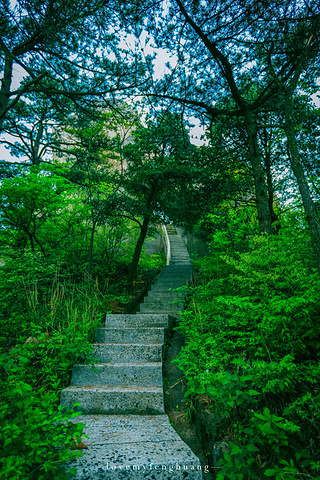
{"points": [[142, 374], [128, 380], [106, 399], [134, 447], [130, 335], [127, 352], [137, 320]]}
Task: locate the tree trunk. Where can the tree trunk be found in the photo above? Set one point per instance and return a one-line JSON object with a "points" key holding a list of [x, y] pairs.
{"points": [[40, 245], [5, 88], [137, 251], [262, 197], [31, 241], [94, 223], [267, 163], [36, 143], [274, 216], [297, 168]]}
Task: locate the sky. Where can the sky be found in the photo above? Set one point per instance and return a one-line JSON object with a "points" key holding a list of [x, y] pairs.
{"points": [[162, 58], [159, 70]]}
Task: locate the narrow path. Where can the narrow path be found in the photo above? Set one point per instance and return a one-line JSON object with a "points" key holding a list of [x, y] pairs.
{"points": [[121, 397]]}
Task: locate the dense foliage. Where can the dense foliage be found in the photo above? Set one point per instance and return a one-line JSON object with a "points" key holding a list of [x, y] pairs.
{"points": [[252, 347], [49, 309], [102, 154]]}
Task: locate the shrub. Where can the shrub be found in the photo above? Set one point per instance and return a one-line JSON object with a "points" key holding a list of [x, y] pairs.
{"points": [[35, 436], [252, 346]]}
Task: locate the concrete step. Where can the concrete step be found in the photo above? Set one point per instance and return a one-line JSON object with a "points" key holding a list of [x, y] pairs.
{"points": [[136, 320], [155, 308], [129, 335], [170, 295], [115, 400], [172, 284], [166, 288], [162, 301], [175, 261], [133, 447], [178, 282], [174, 271], [127, 352], [179, 257], [177, 270], [173, 277], [179, 253], [144, 374]]}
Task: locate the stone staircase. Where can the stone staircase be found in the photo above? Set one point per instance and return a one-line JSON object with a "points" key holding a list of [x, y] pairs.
{"points": [[121, 397]]}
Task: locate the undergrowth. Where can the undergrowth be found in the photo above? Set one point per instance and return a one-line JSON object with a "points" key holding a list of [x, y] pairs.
{"points": [[48, 314], [252, 350]]}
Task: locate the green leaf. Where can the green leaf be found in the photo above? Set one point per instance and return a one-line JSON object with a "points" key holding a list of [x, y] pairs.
{"points": [[200, 390], [270, 472], [252, 448], [253, 392], [235, 450], [188, 393]]}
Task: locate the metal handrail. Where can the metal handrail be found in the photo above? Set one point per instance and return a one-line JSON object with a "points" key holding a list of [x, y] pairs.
{"points": [[167, 242]]}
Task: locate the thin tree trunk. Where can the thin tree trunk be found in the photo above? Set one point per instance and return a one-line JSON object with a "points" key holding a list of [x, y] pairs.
{"points": [[274, 216], [137, 251], [40, 245], [261, 189], [297, 168], [267, 164], [31, 242], [5, 87], [94, 223], [36, 143]]}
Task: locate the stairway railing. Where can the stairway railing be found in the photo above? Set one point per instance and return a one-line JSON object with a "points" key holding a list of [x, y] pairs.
{"points": [[167, 245]]}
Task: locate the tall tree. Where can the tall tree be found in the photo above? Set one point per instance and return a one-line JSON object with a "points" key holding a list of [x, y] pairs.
{"points": [[295, 42], [64, 50], [213, 42], [159, 164], [91, 160], [30, 130], [29, 203]]}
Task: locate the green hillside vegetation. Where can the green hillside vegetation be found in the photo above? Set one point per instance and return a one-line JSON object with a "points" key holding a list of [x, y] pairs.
{"points": [[102, 156], [50, 308], [252, 347]]}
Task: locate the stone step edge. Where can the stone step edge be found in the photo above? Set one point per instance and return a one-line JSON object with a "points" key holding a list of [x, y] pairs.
{"points": [[130, 344], [116, 388], [119, 364], [131, 328]]}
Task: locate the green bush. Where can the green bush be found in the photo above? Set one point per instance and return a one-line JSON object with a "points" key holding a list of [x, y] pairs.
{"points": [[252, 346], [49, 310], [35, 436], [47, 324], [37, 294]]}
